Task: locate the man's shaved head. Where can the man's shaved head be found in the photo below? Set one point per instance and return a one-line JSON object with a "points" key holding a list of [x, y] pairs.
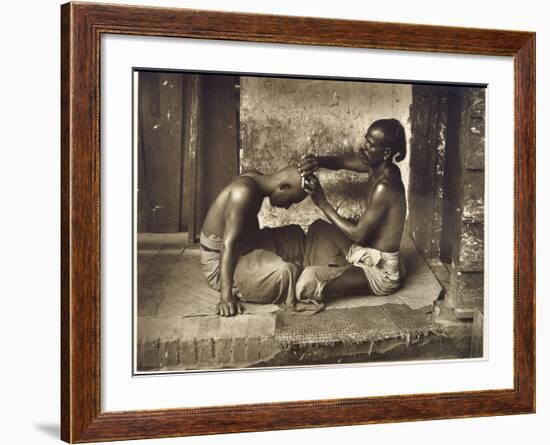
{"points": [[291, 175], [289, 187]]}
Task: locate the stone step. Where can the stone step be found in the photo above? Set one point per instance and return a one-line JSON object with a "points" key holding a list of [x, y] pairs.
{"points": [[246, 341], [206, 342]]}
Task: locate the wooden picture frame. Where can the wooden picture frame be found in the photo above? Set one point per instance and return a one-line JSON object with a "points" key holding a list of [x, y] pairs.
{"points": [[82, 26]]}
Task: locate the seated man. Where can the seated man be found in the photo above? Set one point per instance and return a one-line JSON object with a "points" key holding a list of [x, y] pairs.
{"points": [[344, 258], [242, 261]]}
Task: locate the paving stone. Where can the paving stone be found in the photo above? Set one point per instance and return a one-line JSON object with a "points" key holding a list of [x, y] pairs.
{"points": [[268, 348], [148, 357], [187, 354], [156, 241], [149, 300], [222, 351], [153, 328], [170, 353], [185, 293], [238, 352], [205, 353], [253, 349]]}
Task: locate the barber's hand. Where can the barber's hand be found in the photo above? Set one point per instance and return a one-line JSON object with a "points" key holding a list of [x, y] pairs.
{"points": [[229, 306], [308, 165], [317, 192]]}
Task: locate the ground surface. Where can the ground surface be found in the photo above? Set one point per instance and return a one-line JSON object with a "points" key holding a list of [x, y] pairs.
{"points": [[177, 329]]}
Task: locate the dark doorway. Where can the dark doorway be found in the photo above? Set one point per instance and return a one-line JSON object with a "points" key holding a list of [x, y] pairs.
{"points": [[188, 148]]}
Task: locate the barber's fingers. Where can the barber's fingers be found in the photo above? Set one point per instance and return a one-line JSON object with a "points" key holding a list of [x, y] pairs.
{"points": [[310, 186], [312, 182], [308, 169], [308, 164], [240, 307], [308, 158]]}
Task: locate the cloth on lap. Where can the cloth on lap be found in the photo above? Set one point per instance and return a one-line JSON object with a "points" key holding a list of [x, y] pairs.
{"points": [[314, 279], [384, 270], [262, 276], [268, 266], [329, 253]]}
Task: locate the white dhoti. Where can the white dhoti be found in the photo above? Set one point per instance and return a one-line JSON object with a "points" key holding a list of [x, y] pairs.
{"points": [[328, 254], [383, 270]]}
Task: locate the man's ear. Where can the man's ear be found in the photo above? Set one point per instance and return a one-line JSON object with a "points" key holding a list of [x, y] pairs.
{"points": [[285, 186], [387, 153]]}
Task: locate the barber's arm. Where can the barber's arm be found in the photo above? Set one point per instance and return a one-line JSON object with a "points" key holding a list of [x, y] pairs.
{"points": [[310, 163], [359, 233]]}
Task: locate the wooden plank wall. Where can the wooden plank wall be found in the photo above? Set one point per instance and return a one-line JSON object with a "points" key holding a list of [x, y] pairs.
{"points": [[188, 147], [160, 152], [429, 122]]}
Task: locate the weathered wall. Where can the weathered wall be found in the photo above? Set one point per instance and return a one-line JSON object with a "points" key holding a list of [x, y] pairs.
{"points": [[467, 275], [283, 119], [446, 189]]}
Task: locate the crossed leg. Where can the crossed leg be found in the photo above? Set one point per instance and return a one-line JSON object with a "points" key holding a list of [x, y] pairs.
{"points": [[327, 274]]}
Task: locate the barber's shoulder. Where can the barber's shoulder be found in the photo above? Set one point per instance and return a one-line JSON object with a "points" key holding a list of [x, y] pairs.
{"points": [[382, 189], [387, 189]]}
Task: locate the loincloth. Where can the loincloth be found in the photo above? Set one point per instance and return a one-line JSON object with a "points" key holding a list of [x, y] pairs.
{"points": [[267, 268], [211, 247], [384, 270]]}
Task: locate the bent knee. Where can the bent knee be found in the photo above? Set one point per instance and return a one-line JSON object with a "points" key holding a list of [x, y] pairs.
{"points": [[307, 285], [289, 272]]}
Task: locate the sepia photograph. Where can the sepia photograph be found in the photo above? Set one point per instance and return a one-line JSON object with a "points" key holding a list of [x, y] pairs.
{"points": [[275, 221], [292, 221]]}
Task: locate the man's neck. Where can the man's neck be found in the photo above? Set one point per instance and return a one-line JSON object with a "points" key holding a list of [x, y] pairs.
{"points": [[266, 183], [378, 171]]}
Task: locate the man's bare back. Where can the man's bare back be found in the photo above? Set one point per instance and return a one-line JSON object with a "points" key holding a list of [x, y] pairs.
{"points": [[242, 187], [230, 230]]}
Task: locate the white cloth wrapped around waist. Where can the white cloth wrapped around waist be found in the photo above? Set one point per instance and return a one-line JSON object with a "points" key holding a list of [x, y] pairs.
{"points": [[383, 270], [210, 259]]}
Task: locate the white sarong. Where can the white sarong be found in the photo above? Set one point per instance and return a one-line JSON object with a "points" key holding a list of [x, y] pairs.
{"points": [[384, 270]]}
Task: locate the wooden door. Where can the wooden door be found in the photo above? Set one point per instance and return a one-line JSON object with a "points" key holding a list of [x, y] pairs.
{"points": [[159, 157]]}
